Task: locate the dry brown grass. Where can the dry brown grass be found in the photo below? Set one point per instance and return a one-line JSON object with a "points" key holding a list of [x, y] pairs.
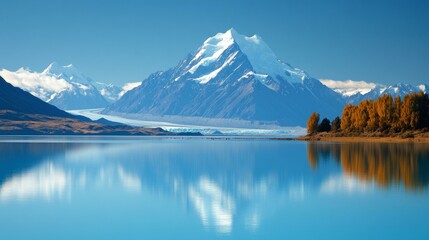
{"points": [[15, 123]]}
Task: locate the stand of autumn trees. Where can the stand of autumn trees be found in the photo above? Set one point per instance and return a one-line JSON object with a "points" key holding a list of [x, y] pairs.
{"points": [[385, 114]]}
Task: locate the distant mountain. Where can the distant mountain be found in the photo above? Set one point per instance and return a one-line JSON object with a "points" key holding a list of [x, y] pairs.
{"points": [[356, 91], [23, 113], [232, 76], [111, 92], [62, 86]]}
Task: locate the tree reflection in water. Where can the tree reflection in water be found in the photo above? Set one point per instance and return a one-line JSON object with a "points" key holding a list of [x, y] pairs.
{"points": [[386, 164]]}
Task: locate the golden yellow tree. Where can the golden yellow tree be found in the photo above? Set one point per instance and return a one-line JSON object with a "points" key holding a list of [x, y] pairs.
{"points": [[346, 118], [387, 114], [373, 118], [313, 122], [407, 112], [396, 117], [384, 106], [362, 115]]}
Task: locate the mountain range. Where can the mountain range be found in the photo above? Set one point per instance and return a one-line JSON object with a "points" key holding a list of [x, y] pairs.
{"points": [[66, 87], [61, 86], [232, 76], [229, 78], [356, 91]]}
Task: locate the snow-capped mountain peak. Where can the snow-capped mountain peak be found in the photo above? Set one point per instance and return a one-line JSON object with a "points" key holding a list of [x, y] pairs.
{"points": [[68, 72], [259, 54], [211, 50], [263, 61], [232, 76]]}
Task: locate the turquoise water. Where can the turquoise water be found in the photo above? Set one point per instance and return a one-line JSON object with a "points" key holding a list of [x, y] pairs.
{"points": [[197, 188]]}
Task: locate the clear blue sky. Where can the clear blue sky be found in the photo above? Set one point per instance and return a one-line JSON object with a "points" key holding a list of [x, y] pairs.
{"points": [[125, 41]]}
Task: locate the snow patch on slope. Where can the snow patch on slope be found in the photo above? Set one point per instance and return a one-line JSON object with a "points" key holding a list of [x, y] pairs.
{"points": [[262, 78], [211, 50], [206, 78], [129, 86], [108, 91], [259, 54], [112, 92]]}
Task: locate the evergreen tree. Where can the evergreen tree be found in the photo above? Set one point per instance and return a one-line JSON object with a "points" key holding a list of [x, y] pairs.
{"points": [[425, 112], [324, 126], [420, 108], [336, 124]]}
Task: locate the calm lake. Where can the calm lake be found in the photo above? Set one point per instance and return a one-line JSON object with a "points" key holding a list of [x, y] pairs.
{"points": [[200, 188]]}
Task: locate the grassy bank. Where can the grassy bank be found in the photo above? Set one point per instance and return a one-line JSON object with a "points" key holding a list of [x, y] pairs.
{"points": [[407, 136]]}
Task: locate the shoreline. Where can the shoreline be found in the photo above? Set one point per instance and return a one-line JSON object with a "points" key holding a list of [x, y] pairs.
{"points": [[420, 138], [314, 138]]}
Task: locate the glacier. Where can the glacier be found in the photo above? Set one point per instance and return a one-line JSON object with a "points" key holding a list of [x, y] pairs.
{"points": [[245, 130]]}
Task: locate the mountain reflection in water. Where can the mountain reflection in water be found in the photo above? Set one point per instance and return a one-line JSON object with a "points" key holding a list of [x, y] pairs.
{"points": [[226, 185], [386, 164]]}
